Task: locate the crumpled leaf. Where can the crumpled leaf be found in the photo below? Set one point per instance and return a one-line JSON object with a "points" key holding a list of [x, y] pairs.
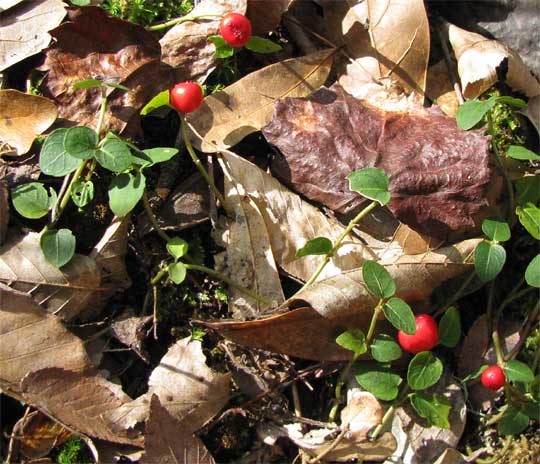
{"points": [[32, 339], [131, 331], [4, 211], [168, 441], [23, 29], [22, 117], [39, 435], [227, 116], [265, 16], [478, 59], [439, 174], [362, 412]]}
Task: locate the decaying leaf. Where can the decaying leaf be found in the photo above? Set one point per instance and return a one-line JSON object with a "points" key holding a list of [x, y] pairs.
{"points": [[440, 89], [265, 16], [39, 435], [20, 170], [226, 117], [32, 339], [414, 243], [131, 331], [439, 174], [362, 412], [23, 29], [22, 117], [4, 211], [168, 441], [478, 60]]}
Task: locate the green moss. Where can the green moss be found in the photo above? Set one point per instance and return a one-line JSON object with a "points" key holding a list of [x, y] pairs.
{"points": [[507, 125], [73, 451], [145, 12]]}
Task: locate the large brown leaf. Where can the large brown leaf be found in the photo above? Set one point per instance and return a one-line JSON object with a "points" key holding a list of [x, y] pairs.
{"points": [[438, 173], [265, 15]]}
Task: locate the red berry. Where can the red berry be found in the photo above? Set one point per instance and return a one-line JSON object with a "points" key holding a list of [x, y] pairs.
{"points": [[493, 378], [186, 96], [235, 29], [425, 338]]}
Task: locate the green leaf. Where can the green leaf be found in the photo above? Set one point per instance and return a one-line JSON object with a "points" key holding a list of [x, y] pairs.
{"points": [[372, 183], [385, 349], [475, 374], [262, 45], [534, 388], [114, 155], [80, 142], [471, 112], [528, 190], [53, 198], [177, 247], [516, 102], [434, 408], [87, 83], [82, 192], [529, 216], [532, 273], [424, 371], [30, 200], [378, 280], [177, 272], [516, 371], [521, 153], [489, 260], [378, 379], [450, 327], [353, 340], [223, 49], [125, 192], [58, 246], [513, 422], [115, 85], [496, 229], [532, 410], [400, 315], [53, 158], [159, 154], [161, 99], [316, 246]]}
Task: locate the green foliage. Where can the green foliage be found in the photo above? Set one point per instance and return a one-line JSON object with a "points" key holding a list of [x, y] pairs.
{"points": [[516, 371], [80, 142], [262, 45], [161, 99], [114, 154], [353, 340], [73, 451], [82, 192], [475, 374], [371, 183], [532, 273], [31, 200], [521, 153], [384, 349], [223, 49], [125, 191], [177, 272], [489, 260], [145, 12], [529, 216], [378, 379], [434, 408], [58, 246], [424, 371], [472, 112], [450, 328], [528, 190], [54, 160], [400, 315], [378, 280], [513, 421], [316, 246], [496, 229], [177, 247]]}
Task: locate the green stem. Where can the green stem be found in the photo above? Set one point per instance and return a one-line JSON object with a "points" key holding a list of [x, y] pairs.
{"points": [[153, 219], [181, 19], [390, 412], [498, 348], [373, 323], [102, 111], [157, 278]]}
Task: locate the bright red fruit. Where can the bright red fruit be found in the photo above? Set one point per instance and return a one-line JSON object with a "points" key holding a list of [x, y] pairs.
{"points": [[186, 96], [493, 378], [425, 338], [235, 28]]}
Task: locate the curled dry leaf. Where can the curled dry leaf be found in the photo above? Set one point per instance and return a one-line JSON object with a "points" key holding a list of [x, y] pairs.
{"points": [[265, 16], [4, 211], [22, 117], [32, 339], [24, 29], [39, 435], [362, 412], [169, 441], [478, 59], [227, 116]]}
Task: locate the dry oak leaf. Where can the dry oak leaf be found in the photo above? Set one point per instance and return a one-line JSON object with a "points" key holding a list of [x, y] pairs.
{"points": [[32, 339], [169, 441], [117, 50], [23, 29], [22, 117], [478, 60], [439, 174], [227, 116]]}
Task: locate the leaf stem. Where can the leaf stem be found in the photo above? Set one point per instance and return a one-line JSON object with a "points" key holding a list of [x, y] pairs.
{"points": [[153, 219], [179, 20], [374, 319], [390, 412]]}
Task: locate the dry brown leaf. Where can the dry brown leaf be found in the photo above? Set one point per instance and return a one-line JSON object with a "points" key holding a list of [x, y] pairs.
{"points": [[414, 243], [186, 47], [131, 331], [478, 59], [168, 441], [4, 211], [266, 15], [22, 117], [32, 339], [440, 90], [20, 170], [88, 395], [39, 435], [226, 117], [362, 412], [23, 29]]}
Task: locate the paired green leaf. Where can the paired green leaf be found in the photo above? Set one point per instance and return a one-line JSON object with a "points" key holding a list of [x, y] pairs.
{"points": [[496, 229], [58, 246], [384, 349], [372, 183], [471, 112], [434, 408], [529, 216], [513, 421], [532, 273], [223, 49], [114, 155], [379, 380], [489, 260], [528, 190], [521, 153], [316, 246], [31, 200], [400, 315], [262, 45], [53, 158], [424, 371], [177, 272], [516, 371], [80, 142], [177, 247], [82, 192], [450, 328], [353, 340], [125, 192], [161, 99], [378, 280]]}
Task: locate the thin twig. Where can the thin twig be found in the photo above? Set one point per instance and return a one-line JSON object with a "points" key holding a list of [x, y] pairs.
{"points": [[153, 219]]}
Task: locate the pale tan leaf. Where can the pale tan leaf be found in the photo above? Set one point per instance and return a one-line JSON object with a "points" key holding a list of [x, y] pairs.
{"points": [[22, 117], [226, 117], [478, 59], [78, 400], [7, 4], [414, 243], [362, 412], [32, 339], [23, 30], [440, 90], [168, 441], [68, 292], [4, 211]]}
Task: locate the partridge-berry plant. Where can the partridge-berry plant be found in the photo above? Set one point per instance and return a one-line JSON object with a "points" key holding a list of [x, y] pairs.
{"points": [[186, 97], [493, 378], [235, 29], [425, 338]]}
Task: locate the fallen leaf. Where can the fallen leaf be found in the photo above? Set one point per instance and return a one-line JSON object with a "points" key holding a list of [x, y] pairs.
{"points": [[7, 4], [39, 435], [439, 174], [478, 59], [168, 441], [440, 90], [23, 117], [451, 456], [362, 412], [4, 211], [265, 16], [19, 171], [32, 339], [131, 331], [227, 116], [23, 29], [533, 112], [414, 243]]}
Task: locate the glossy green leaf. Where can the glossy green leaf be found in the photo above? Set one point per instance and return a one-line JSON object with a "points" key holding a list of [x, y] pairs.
{"points": [[528, 190], [223, 49], [177, 272], [496, 229], [534, 388], [515, 102], [489, 260], [114, 155], [378, 379], [424, 371], [385, 349], [315, 246], [532, 273], [513, 421], [58, 246], [529, 216], [82, 192], [87, 83], [378, 280], [159, 154], [450, 328], [475, 374], [262, 45], [471, 112], [371, 183], [53, 158], [161, 99], [516, 371], [125, 192], [30, 200], [400, 315], [80, 142], [177, 247], [434, 408], [353, 340], [521, 153]]}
